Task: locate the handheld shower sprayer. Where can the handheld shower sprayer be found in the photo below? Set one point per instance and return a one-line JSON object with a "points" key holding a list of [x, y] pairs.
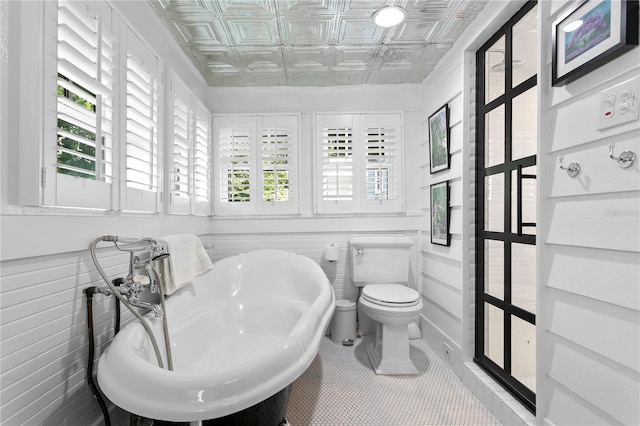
{"points": [[129, 287]]}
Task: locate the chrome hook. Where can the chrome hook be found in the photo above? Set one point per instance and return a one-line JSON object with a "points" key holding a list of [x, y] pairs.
{"points": [[573, 170], [626, 158]]}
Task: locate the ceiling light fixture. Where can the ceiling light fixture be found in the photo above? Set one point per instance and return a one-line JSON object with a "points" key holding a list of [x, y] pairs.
{"points": [[389, 16]]}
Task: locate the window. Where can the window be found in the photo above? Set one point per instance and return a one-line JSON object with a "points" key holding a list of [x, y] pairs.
{"points": [[106, 86], [276, 163], [142, 156], [359, 163], [257, 164], [380, 150], [189, 169], [85, 108], [202, 159], [181, 148]]}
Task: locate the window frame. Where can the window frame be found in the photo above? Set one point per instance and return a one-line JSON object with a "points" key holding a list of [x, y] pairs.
{"points": [[187, 201], [359, 202], [138, 199], [57, 189], [253, 127]]}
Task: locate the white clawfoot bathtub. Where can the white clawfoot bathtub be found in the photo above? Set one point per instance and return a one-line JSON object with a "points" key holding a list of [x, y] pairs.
{"points": [[240, 333]]}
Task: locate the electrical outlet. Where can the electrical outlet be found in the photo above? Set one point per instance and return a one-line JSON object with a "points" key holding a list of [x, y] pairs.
{"points": [[619, 104], [448, 353]]}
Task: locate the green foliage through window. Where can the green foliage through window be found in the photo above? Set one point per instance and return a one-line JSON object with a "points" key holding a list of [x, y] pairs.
{"points": [[76, 145]]}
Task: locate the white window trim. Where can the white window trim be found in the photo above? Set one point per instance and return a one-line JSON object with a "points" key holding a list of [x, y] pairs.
{"points": [[136, 199], [202, 207], [257, 206], [59, 190], [188, 202]]}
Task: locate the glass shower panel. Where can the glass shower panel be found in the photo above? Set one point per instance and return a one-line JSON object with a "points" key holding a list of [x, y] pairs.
{"points": [[523, 276], [524, 125], [525, 47], [529, 191], [494, 137], [494, 268], [494, 334], [523, 352], [494, 203], [494, 70]]}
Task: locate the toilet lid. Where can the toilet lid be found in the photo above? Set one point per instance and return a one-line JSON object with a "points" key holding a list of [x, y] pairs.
{"points": [[391, 294]]}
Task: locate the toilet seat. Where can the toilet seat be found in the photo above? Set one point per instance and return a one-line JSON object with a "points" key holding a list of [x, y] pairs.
{"points": [[392, 295]]}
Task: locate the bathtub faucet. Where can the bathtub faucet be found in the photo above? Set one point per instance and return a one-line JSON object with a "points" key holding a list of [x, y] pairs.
{"points": [[141, 273], [131, 287], [157, 309]]}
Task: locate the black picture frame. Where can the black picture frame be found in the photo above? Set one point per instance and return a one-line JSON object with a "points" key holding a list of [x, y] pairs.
{"points": [[440, 213], [604, 30], [439, 140]]}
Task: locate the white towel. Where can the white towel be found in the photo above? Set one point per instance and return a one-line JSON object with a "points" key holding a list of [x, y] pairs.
{"points": [[187, 260]]}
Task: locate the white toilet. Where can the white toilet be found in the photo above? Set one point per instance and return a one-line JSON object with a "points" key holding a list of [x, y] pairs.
{"points": [[380, 265]]}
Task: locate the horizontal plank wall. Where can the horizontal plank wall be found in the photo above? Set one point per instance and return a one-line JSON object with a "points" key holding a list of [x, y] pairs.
{"points": [[441, 266], [590, 308], [44, 348], [311, 245], [44, 335]]}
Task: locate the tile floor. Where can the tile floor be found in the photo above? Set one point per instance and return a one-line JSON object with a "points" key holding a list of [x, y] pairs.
{"points": [[341, 389]]}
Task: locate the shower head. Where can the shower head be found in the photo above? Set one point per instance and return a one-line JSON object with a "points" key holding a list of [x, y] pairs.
{"points": [[158, 252], [501, 66]]}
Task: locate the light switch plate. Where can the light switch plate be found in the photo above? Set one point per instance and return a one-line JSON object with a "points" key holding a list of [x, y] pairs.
{"points": [[619, 104]]}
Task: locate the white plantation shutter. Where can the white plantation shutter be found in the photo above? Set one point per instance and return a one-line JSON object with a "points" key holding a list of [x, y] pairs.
{"points": [[142, 156], [234, 150], [202, 160], [257, 161], [85, 105], [335, 163], [359, 163], [189, 177], [181, 149], [382, 152], [278, 164]]}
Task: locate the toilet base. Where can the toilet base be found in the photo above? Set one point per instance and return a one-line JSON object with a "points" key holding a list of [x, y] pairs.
{"points": [[388, 350]]}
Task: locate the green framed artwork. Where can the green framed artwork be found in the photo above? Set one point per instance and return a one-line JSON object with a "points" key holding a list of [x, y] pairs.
{"points": [[440, 213], [439, 140]]}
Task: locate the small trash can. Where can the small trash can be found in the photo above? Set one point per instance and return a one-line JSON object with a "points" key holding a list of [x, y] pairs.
{"points": [[343, 324]]}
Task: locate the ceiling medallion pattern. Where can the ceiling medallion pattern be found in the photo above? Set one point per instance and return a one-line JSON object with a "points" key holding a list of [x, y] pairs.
{"points": [[250, 43]]}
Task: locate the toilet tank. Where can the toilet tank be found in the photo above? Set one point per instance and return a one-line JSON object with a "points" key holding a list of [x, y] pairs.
{"points": [[382, 259]]}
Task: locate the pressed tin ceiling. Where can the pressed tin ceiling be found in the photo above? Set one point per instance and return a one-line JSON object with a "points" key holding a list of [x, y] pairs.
{"points": [[251, 43]]}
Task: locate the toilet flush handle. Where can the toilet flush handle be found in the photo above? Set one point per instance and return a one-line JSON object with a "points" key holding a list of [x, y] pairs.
{"points": [[360, 252]]}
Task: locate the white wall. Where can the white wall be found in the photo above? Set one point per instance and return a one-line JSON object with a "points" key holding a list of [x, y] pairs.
{"points": [[588, 338], [312, 245], [589, 319]]}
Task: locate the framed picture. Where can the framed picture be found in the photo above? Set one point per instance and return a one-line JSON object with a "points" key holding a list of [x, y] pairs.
{"points": [[439, 139], [590, 34], [440, 213]]}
